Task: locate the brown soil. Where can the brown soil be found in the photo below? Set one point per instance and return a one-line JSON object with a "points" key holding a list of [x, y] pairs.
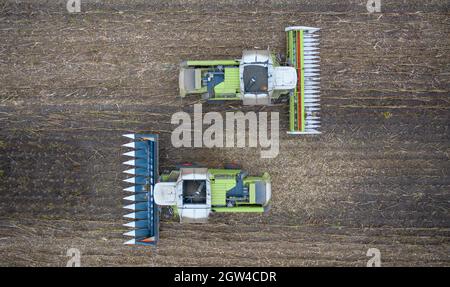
{"points": [[378, 176]]}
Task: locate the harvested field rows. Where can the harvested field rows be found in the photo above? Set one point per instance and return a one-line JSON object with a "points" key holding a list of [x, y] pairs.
{"points": [[378, 176]]}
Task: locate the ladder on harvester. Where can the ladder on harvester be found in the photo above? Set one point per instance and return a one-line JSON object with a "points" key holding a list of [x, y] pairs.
{"points": [[304, 101], [145, 212]]}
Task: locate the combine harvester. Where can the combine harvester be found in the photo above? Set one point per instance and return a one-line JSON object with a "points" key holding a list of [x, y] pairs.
{"points": [[259, 78], [191, 192]]}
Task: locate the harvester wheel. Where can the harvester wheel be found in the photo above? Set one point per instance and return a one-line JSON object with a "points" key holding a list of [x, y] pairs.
{"points": [[282, 99], [216, 102], [281, 58], [232, 166], [186, 164], [189, 164], [167, 212]]}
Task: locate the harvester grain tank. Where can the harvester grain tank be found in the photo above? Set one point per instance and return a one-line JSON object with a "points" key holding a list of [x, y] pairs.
{"points": [[259, 78]]}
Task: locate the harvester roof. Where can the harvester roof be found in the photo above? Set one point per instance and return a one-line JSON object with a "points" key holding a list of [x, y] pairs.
{"points": [[255, 79]]}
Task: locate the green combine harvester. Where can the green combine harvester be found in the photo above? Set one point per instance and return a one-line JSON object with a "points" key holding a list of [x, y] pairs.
{"points": [[259, 78], [194, 192], [191, 192]]}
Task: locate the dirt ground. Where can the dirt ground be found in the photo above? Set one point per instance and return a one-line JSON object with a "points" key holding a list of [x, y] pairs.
{"points": [[378, 176]]}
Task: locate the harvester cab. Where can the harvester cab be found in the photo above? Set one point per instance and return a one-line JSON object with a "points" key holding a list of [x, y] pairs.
{"points": [[258, 78], [191, 192]]}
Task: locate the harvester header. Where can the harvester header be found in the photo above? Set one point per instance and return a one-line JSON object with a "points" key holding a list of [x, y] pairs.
{"points": [[145, 213]]}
